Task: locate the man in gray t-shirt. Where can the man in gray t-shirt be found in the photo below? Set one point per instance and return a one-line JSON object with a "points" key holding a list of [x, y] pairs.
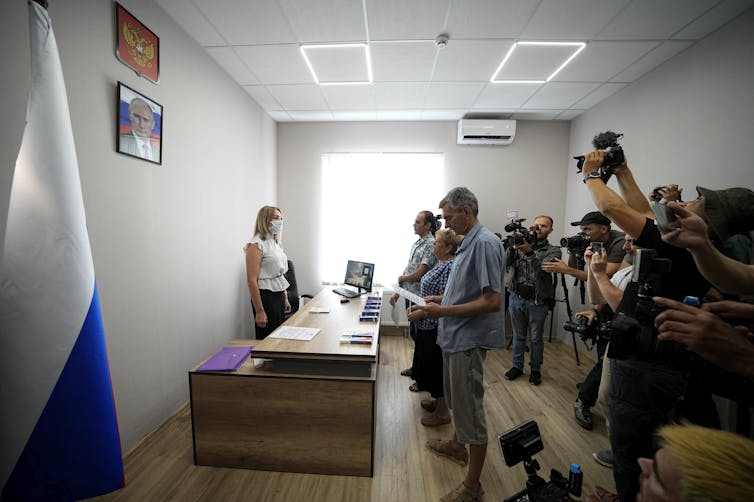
{"points": [[471, 322]]}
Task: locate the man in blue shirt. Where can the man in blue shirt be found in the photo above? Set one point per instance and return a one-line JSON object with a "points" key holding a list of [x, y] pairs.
{"points": [[471, 322]]}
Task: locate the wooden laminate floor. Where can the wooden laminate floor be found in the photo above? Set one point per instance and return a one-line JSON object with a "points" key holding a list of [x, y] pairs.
{"points": [[161, 467]]}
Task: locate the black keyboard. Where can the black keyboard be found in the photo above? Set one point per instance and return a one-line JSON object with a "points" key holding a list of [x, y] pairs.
{"points": [[348, 293]]}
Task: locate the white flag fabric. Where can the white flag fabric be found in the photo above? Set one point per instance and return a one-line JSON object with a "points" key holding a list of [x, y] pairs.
{"points": [[59, 432]]}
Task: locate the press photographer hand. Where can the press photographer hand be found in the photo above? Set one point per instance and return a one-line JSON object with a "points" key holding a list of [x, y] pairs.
{"points": [[692, 234], [556, 266], [525, 247], [589, 315], [666, 194], [598, 263], [733, 312], [707, 335], [592, 162]]}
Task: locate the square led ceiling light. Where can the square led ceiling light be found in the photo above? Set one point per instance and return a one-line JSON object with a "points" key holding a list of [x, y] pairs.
{"points": [[535, 62], [339, 64]]}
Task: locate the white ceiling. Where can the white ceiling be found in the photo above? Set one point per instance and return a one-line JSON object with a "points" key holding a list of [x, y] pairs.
{"points": [[258, 43]]}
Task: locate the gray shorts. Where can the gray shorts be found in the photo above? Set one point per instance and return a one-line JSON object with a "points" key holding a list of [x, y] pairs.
{"points": [[463, 379]]}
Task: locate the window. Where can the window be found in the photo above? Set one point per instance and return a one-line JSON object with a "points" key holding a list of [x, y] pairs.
{"points": [[369, 203]]}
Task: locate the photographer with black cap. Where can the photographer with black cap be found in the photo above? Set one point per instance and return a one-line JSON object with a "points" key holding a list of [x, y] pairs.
{"points": [[644, 394], [596, 227], [532, 296]]}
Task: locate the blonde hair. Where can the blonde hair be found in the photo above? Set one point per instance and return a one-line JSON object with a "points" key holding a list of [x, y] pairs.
{"points": [[449, 237], [264, 217], [545, 216], [717, 466]]}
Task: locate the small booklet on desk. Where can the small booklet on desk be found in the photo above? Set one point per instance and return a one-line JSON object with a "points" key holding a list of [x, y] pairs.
{"points": [[227, 359]]}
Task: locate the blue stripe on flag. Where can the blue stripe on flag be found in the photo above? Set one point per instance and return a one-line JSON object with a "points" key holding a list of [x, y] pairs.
{"points": [[74, 451]]}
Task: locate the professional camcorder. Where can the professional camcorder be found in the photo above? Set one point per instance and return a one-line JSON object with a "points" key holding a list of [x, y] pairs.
{"points": [[520, 234], [607, 141], [589, 332], [519, 445], [634, 335]]}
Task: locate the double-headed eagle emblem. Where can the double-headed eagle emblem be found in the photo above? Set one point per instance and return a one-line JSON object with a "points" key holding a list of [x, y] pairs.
{"points": [[140, 48]]}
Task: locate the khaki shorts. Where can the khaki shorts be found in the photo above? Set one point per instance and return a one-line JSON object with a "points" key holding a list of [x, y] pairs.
{"points": [[463, 375]]}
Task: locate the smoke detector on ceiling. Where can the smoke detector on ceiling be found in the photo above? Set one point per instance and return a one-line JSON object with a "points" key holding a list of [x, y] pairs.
{"points": [[442, 40]]}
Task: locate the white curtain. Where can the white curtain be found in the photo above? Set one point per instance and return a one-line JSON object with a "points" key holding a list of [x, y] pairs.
{"points": [[369, 203]]}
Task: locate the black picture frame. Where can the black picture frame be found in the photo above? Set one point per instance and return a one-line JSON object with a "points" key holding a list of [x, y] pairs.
{"points": [[130, 138]]}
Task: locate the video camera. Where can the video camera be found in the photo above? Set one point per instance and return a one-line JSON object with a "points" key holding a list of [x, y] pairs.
{"points": [[589, 332], [634, 335], [576, 244], [607, 141], [520, 234], [519, 445]]}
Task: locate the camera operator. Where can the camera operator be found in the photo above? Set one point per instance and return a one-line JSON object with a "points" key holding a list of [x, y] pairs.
{"points": [[597, 228], [643, 393], [605, 292], [532, 295]]}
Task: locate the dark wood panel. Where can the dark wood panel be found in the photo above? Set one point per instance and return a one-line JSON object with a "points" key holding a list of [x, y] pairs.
{"points": [[296, 425]]}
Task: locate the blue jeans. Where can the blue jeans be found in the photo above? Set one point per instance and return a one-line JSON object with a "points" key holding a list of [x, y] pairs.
{"points": [[527, 318]]}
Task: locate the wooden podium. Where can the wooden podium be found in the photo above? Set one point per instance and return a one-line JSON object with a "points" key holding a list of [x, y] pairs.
{"points": [[309, 408]]}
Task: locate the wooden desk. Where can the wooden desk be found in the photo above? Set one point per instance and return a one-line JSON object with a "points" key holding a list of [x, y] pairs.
{"points": [[310, 409]]}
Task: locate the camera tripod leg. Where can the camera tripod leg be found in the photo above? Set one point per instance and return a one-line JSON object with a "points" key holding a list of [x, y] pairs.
{"points": [[575, 349], [570, 316]]}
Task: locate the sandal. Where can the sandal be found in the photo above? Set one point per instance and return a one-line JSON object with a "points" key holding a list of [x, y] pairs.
{"points": [[413, 387], [406, 372]]}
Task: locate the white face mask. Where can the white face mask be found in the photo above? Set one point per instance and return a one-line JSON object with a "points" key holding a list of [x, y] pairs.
{"points": [[276, 226]]}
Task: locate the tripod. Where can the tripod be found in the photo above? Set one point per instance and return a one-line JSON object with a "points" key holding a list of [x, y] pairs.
{"points": [[569, 311]]}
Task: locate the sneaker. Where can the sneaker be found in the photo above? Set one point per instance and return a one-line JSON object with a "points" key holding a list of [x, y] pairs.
{"points": [[435, 420], [604, 458], [535, 378], [429, 404], [463, 493], [582, 414], [447, 450], [513, 373]]}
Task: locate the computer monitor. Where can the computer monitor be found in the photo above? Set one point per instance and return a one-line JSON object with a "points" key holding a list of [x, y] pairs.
{"points": [[359, 275]]}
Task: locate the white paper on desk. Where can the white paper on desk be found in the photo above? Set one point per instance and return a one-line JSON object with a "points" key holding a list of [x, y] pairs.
{"points": [[408, 295], [294, 333], [319, 310]]}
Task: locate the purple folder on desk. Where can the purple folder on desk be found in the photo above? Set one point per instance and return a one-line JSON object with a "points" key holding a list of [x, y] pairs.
{"points": [[227, 359]]}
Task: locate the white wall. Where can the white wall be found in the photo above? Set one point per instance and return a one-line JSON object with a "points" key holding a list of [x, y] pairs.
{"points": [[167, 239], [690, 121], [528, 175]]}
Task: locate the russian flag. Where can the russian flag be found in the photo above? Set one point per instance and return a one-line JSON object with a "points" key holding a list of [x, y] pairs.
{"points": [[59, 433]]}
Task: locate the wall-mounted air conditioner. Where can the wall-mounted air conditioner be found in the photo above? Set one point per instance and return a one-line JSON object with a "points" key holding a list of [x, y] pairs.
{"points": [[486, 132]]}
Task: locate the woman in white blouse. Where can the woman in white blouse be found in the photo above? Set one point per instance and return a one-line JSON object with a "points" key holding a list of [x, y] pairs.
{"points": [[266, 265]]}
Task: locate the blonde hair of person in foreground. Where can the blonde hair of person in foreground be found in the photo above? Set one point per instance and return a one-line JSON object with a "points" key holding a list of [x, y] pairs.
{"points": [[698, 464]]}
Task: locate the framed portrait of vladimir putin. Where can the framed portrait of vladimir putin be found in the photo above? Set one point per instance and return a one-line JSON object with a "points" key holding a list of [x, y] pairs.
{"points": [[140, 123]]}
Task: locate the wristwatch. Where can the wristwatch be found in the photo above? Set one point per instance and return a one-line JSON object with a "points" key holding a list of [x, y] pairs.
{"points": [[593, 175]]}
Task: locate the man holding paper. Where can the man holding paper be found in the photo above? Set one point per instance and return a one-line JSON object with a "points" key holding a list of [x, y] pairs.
{"points": [[420, 261], [471, 322]]}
